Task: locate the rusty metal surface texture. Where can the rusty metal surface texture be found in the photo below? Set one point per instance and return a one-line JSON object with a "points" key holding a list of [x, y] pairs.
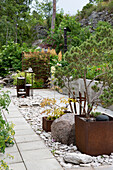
{"points": [[94, 138], [46, 124]]}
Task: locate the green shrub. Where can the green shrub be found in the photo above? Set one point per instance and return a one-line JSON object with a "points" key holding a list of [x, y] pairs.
{"points": [[36, 83], [95, 51], [11, 57], [75, 34], [40, 63], [100, 7], [110, 7], [93, 71], [89, 11], [6, 129], [85, 10]]}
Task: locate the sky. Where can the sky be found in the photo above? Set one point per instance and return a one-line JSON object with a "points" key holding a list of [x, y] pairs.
{"points": [[70, 6]]}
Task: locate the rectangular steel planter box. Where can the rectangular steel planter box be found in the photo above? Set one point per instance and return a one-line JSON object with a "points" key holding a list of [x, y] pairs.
{"points": [[94, 138], [46, 124]]}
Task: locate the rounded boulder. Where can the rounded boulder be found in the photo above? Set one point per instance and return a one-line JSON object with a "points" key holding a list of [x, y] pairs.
{"points": [[63, 129]]}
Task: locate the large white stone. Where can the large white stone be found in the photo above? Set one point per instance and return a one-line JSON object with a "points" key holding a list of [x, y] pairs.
{"points": [[77, 158]]}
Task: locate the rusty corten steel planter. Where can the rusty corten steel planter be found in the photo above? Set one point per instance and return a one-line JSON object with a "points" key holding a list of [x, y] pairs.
{"points": [[46, 124], [94, 138]]}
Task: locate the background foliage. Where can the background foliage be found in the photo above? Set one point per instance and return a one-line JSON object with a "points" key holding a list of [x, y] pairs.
{"points": [[11, 57]]}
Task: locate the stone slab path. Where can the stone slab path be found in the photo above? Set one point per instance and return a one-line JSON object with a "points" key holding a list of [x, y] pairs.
{"points": [[29, 150]]}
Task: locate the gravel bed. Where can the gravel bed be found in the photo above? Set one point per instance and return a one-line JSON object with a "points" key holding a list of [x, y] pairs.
{"points": [[31, 111]]}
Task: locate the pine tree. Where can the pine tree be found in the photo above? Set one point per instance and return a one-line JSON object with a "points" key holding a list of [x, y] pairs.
{"points": [[98, 49]]}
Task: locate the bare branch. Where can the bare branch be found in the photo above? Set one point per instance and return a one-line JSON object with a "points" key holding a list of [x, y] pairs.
{"points": [[98, 94]]}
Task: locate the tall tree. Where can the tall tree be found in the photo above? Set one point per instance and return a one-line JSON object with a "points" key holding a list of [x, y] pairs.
{"points": [[54, 15], [13, 19], [43, 10]]}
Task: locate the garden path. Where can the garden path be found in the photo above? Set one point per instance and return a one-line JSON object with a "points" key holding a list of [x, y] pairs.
{"points": [[29, 150]]}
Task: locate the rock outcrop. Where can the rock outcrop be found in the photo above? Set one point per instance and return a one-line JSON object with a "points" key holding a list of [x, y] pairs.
{"points": [[95, 17]]}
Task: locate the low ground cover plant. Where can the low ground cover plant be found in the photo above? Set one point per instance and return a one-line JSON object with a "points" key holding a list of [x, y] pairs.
{"points": [[6, 129]]}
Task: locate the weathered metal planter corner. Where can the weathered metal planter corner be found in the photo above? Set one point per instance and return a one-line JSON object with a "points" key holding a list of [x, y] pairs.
{"points": [[46, 124], [94, 138]]}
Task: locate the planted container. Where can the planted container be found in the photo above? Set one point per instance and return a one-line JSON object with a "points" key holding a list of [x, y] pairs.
{"points": [[94, 137], [46, 124]]}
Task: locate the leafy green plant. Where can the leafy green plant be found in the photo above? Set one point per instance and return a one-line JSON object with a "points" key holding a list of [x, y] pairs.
{"points": [[53, 151], [55, 111], [11, 57], [96, 51], [88, 7], [36, 83], [40, 63], [75, 34], [95, 114], [93, 71], [6, 129], [22, 74], [100, 7], [95, 5], [110, 7], [3, 163]]}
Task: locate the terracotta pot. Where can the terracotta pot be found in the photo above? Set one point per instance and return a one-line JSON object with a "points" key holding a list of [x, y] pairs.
{"points": [[94, 137], [46, 124]]}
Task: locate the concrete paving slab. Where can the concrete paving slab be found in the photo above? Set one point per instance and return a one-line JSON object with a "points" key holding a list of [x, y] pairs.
{"points": [[31, 146], [11, 149], [14, 113], [27, 138], [17, 158], [17, 166], [46, 164], [107, 167], [36, 155], [24, 132], [17, 121], [22, 127], [81, 168], [13, 107]]}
